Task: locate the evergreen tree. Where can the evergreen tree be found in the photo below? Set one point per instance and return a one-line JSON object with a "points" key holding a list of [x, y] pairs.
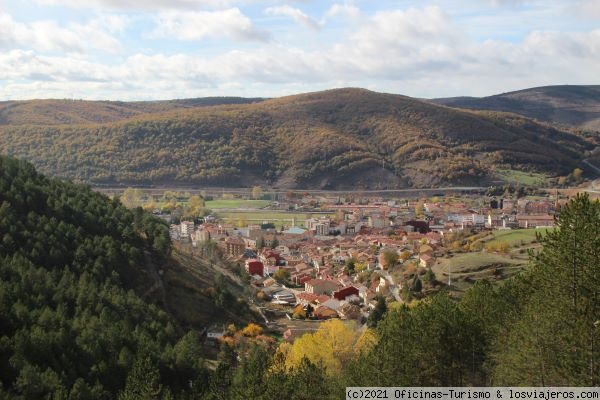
{"points": [[554, 339], [377, 313]]}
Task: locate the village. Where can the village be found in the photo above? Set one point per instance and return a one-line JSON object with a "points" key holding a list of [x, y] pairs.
{"points": [[340, 263]]}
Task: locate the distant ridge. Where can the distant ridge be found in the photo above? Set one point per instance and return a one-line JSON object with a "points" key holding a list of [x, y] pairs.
{"points": [[64, 111], [571, 105]]}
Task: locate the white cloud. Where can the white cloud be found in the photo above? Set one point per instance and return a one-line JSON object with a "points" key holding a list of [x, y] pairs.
{"points": [[587, 9], [344, 9], [48, 36], [197, 25], [294, 13], [138, 4], [419, 52]]}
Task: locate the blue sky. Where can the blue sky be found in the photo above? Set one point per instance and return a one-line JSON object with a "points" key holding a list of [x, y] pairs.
{"points": [[162, 49]]}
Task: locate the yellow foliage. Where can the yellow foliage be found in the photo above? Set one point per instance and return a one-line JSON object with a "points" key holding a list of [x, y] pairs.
{"points": [[333, 345], [405, 255], [366, 341], [252, 330], [231, 328], [360, 267], [257, 192]]}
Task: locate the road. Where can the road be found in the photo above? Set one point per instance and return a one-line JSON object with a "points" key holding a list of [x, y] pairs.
{"points": [[247, 191], [393, 288]]}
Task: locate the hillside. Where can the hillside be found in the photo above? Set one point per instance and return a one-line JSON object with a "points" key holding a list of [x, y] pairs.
{"points": [[577, 106], [79, 310], [56, 112], [334, 139]]}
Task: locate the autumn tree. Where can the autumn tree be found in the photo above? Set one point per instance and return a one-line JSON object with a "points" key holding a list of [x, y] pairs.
{"points": [[257, 192], [281, 275], [131, 197], [332, 345], [390, 258], [577, 175], [252, 330]]}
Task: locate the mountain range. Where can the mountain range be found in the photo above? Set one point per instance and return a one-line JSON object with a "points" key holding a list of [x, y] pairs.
{"points": [[339, 138], [568, 105]]}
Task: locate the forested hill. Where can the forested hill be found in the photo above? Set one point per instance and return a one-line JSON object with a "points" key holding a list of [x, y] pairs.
{"points": [[71, 325], [57, 112], [333, 139], [577, 106]]}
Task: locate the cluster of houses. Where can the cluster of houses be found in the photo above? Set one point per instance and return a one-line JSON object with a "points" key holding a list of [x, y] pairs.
{"points": [[318, 282]]}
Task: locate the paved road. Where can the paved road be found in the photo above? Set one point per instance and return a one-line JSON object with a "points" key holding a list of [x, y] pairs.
{"points": [[267, 191]]}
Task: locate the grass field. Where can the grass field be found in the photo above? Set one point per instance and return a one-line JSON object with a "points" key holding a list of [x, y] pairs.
{"points": [[277, 217], [469, 267], [224, 204], [474, 262], [521, 178], [515, 237]]}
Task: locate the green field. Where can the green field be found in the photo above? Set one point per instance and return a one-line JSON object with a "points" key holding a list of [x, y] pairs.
{"points": [[514, 237], [474, 262], [279, 218], [238, 203], [521, 178]]}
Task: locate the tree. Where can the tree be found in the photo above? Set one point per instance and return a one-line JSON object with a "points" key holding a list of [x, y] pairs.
{"points": [[377, 313], [143, 382], [274, 243], [249, 377], [257, 192], [390, 258], [299, 313], [577, 174], [131, 197], [429, 276], [562, 181], [561, 309], [350, 266], [332, 345], [281, 275], [419, 209], [195, 205], [417, 285], [252, 330], [260, 243]]}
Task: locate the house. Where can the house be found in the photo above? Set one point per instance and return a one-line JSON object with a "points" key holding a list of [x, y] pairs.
{"points": [[269, 282], [254, 267], [186, 229], [271, 258], [215, 332], [426, 260], [306, 298], [535, 221], [419, 226], [323, 312], [234, 246], [284, 297], [320, 286], [349, 311], [343, 293], [332, 304]]}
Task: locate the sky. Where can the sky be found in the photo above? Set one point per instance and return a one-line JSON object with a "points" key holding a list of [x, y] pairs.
{"points": [[166, 49]]}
